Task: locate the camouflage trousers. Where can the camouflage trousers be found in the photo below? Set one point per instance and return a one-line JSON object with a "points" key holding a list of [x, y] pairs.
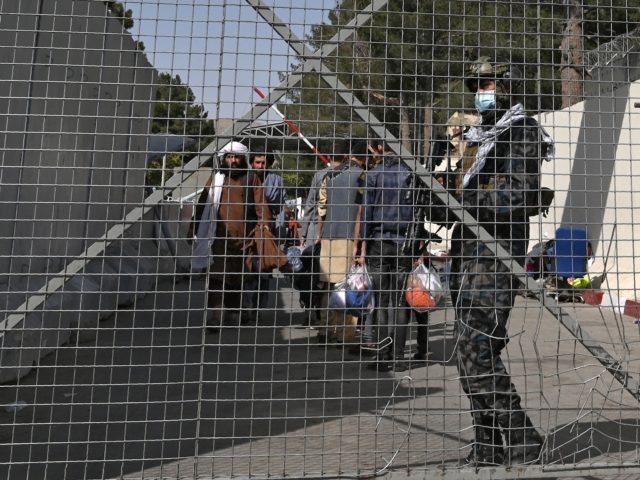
{"points": [[484, 299]]}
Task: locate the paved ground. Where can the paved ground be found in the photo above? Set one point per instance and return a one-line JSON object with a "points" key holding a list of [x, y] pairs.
{"points": [[152, 396]]}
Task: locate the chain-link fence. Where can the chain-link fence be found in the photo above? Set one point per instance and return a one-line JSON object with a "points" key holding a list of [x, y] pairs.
{"points": [[319, 238]]}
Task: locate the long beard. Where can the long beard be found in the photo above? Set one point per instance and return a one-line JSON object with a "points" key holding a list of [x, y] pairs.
{"points": [[234, 171]]}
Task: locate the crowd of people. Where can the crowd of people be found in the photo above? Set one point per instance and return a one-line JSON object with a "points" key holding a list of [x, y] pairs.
{"points": [[368, 208]]}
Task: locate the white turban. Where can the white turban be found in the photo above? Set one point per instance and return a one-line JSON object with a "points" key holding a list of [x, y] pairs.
{"points": [[236, 148]]}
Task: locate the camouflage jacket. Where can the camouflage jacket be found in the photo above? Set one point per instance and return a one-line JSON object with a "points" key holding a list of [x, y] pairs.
{"points": [[506, 190]]}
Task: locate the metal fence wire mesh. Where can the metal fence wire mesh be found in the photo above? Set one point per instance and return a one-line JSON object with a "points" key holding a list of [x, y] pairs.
{"points": [[319, 238]]}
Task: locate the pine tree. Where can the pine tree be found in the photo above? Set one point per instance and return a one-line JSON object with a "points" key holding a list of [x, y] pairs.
{"points": [[176, 113], [588, 25], [125, 16], [407, 64]]}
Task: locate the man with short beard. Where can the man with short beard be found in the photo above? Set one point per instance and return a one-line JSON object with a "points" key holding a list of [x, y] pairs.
{"points": [[257, 291], [230, 207]]}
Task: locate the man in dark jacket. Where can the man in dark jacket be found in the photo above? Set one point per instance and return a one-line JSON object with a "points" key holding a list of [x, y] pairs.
{"points": [[500, 190], [388, 213]]}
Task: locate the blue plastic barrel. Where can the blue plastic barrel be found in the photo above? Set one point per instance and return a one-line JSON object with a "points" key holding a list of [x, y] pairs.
{"points": [[571, 248]]}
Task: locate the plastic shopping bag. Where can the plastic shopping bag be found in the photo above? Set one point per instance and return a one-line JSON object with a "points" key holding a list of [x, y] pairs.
{"points": [[338, 297], [295, 263], [424, 289], [355, 293]]}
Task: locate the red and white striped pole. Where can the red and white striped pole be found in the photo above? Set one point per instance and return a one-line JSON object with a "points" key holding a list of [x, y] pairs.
{"points": [[294, 128]]}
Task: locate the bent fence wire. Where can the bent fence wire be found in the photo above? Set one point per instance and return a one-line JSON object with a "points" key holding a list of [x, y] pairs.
{"points": [[141, 339]]}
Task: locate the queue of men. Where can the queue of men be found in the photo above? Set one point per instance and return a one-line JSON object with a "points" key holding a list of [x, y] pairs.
{"points": [[361, 210]]}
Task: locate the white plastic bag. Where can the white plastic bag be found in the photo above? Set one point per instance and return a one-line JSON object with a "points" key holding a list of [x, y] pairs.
{"points": [[338, 297], [424, 289], [354, 294], [358, 279]]}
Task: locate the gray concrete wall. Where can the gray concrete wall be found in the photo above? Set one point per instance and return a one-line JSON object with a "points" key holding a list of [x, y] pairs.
{"points": [[75, 108], [76, 104]]}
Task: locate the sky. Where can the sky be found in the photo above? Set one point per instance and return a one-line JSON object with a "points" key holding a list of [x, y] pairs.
{"points": [[222, 61]]}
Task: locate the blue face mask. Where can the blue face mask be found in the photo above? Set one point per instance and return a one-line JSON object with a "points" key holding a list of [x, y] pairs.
{"points": [[485, 101]]}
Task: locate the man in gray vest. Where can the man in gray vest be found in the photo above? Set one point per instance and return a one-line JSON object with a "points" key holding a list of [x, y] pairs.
{"points": [[338, 233], [310, 288]]}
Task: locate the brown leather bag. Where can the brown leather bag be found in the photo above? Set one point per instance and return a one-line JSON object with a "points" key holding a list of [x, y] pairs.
{"points": [[263, 253]]}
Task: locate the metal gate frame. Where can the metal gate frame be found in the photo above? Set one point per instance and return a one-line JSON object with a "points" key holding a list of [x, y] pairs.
{"points": [[312, 62]]}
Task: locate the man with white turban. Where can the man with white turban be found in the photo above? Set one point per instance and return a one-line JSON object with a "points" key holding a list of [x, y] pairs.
{"points": [[229, 208]]}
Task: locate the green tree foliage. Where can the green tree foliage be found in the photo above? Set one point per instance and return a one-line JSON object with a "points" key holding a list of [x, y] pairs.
{"points": [[588, 25], [121, 13], [125, 16], [407, 64], [177, 113], [297, 172], [606, 19], [410, 59]]}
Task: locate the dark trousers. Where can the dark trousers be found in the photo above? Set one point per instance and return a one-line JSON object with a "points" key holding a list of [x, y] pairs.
{"points": [[227, 275], [388, 267], [483, 305], [256, 291], [422, 318]]}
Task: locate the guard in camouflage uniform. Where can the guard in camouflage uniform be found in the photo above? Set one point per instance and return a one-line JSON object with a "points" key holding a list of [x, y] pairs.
{"points": [[501, 190]]}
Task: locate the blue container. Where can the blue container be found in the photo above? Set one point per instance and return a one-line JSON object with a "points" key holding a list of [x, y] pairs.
{"points": [[571, 247]]}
